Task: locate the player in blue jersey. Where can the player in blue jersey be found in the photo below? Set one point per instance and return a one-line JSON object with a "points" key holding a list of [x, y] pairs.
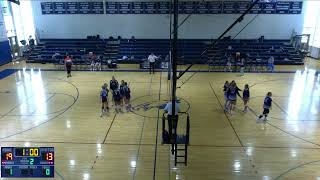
{"points": [[245, 97], [225, 89], [232, 93], [113, 85], [104, 99], [121, 89], [267, 105], [117, 99], [127, 96]]}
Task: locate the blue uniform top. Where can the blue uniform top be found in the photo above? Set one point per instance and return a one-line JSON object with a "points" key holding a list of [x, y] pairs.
{"points": [[225, 88], [114, 84], [246, 94], [104, 93], [232, 93], [121, 89], [267, 102], [126, 91], [116, 95]]}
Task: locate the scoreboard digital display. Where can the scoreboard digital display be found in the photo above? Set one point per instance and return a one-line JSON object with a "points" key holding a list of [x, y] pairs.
{"points": [[27, 162]]}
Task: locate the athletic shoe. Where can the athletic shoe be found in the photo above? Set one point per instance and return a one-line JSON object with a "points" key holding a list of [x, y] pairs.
{"points": [[258, 120]]}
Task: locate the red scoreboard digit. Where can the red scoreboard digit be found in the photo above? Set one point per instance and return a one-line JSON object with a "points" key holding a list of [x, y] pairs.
{"points": [[49, 156], [9, 156]]}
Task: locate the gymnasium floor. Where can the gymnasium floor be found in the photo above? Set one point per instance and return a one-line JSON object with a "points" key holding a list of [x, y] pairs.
{"points": [[44, 108]]}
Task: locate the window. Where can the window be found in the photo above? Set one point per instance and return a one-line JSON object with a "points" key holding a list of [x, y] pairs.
{"points": [[312, 22]]}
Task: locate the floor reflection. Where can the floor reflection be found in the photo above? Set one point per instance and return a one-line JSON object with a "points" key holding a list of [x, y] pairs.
{"points": [[303, 101], [31, 93]]}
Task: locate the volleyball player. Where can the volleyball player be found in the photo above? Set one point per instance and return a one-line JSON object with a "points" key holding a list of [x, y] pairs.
{"points": [[117, 98], [113, 85], [127, 96], [225, 89], [267, 105], [246, 97], [232, 93], [121, 89], [104, 99]]}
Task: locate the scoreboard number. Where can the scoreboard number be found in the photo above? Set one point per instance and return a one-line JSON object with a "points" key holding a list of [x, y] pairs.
{"points": [[34, 152], [31, 161], [9, 156], [49, 156]]}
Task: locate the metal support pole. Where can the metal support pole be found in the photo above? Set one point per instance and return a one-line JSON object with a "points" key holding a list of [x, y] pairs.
{"points": [[174, 55]]}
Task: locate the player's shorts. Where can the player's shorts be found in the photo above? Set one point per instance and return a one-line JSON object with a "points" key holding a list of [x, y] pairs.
{"points": [[233, 101], [104, 99], [127, 96], [245, 99], [266, 111]]}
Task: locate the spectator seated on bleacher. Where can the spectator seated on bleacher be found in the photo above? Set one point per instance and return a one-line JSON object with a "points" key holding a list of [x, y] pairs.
{"points": [[271, 49], [111, 65], [31, 42], [55, 57], [124, 58], [167, 59]]}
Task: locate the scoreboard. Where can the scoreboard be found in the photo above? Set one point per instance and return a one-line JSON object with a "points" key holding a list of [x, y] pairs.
{"points": [[27, 162]]}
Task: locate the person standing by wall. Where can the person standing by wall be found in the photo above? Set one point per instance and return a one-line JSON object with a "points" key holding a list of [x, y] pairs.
{"points": [[68, 64], [242, 66], [152, 60], [271, 64]]}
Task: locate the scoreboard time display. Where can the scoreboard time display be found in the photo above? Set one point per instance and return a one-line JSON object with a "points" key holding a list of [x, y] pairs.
{"points": [[27, 162]]}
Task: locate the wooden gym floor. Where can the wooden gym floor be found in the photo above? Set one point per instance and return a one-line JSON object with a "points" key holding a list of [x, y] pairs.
{"points": [[44, 108]]}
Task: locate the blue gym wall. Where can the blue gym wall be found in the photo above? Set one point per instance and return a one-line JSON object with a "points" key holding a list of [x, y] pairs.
{"points": [[5, 51], [275, 26]]}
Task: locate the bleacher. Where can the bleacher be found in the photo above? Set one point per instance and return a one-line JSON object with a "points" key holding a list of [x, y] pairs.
{"points": [[255, 51], [189, 50], [75, 47]]}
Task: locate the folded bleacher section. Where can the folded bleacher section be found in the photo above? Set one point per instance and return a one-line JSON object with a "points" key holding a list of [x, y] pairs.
{"points": [[282, 51], [78, 48], [189, 50]]}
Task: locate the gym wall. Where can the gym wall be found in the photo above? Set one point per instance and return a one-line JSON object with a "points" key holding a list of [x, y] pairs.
{"points": [[156, 26]]}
